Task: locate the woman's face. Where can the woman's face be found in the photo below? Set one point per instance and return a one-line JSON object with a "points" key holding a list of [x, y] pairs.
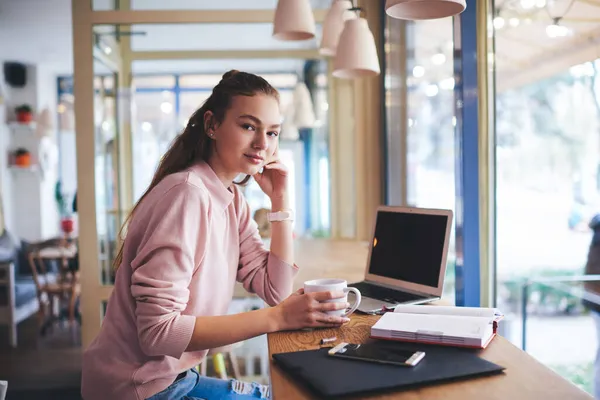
{"points": [[247, 138]]}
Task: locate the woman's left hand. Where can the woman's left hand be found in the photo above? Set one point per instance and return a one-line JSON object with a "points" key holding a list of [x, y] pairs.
{"points": [[273, 180]]}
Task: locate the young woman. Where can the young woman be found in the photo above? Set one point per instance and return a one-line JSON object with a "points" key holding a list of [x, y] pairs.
{"points": [[189, 238]]}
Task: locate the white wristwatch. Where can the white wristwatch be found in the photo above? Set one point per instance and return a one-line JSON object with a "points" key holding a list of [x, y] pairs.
{"points": [[285, 215]]}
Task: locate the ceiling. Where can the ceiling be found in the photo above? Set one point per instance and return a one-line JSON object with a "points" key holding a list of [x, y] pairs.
{"points": [[211, 66], [49, 43], [160, 37], [19, 41], [524, 51], [527, 49]]}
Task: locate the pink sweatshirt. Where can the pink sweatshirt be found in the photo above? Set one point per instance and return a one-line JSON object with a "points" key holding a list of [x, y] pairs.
{"points": [[189, 241]]}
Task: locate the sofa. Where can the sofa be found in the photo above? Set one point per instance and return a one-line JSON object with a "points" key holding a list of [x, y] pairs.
{"points": [[18, 293]]}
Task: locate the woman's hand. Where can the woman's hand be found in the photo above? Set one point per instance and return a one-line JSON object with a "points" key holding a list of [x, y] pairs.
{"points": [[305, 310], [273, 179]]}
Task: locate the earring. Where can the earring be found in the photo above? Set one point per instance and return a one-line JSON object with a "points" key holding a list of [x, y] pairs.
{"points": [[212, 135]]}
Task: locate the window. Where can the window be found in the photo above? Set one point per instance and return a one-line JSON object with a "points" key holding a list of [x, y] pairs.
{"points": [[162, 114], [420, 102], [154, 81], [155, 126], [547, 173]]}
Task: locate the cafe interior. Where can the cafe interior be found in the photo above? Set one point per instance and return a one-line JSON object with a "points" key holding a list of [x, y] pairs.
{"points": [[487, 110]]}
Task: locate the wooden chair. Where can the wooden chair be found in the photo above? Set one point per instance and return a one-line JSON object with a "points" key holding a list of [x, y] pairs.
{"points": [[218, 358], [54, 289]]}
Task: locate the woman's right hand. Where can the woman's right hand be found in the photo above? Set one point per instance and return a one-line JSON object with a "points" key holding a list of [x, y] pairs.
{"points": [[306, 310]]}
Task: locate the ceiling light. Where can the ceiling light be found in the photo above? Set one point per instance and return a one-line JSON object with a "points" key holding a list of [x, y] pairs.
{"points": [[356, 54], [527, 4], [447, 84], [166, 107], [438, 58], [294, 20], [431, 90], [333, 26], [498, 23], [418, 71], [424, 9], [556, 30]]}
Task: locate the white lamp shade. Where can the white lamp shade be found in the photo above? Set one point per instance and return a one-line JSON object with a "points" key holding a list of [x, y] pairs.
{"points": [[424, 9], [333, 26], [67, 120], [304, 111], [356, 54], [44, 119], [294, 20]]}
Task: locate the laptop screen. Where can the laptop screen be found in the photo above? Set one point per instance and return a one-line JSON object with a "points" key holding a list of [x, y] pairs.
{"points": [[409, 247]]}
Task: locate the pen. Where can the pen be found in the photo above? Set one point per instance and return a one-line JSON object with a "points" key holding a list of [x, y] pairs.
{"points": [[328, 340]]}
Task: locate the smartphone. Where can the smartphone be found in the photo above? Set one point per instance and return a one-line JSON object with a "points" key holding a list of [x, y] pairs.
{"points": [[377, 353]]}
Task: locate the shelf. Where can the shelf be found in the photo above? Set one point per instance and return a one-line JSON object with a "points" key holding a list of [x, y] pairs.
{"points": [[31, 168], [30, 126]]}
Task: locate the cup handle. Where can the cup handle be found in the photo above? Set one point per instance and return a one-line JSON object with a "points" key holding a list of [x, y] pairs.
{"points": [[356, 300]]}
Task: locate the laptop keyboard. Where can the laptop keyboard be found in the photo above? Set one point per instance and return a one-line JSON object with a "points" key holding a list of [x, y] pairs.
{"points": [[385, 294]]}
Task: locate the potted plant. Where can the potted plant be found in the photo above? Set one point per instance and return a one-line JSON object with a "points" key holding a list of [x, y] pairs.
{"points": [[65, 210], [22, 157], [24, 113]]}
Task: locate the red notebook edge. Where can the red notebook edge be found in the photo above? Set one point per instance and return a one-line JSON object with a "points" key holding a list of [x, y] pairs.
{"points": [[437, 343], [485, 345]]}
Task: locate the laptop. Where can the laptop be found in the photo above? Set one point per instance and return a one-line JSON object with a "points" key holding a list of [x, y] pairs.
{"points": [[407, 258]]}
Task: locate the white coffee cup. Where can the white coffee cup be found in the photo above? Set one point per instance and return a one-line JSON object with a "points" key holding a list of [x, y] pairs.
{"points": [[3, 388], [334, 285]]}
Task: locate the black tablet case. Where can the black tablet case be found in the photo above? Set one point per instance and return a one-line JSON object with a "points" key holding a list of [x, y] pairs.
{"points": [[329, 376]]}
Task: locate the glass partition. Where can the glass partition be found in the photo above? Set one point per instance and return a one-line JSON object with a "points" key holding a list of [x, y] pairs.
{"points": [[420, 122], [163, 103], [141, 90], [154, 129], [547, 164], [107, 169]]}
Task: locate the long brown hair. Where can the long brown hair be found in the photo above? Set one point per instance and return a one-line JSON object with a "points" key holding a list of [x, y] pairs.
{"points": [[193, 144]]}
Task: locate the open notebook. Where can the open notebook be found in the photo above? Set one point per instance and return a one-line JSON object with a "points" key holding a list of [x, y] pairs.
{"points": [[451, 326]]}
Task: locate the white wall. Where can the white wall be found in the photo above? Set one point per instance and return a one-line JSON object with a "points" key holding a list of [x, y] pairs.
{"points": [[5, 177], [28, 197], [37, 32]]}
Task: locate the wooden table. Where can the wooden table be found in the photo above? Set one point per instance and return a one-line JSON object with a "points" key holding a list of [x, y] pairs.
{"points": [[524, 377]]}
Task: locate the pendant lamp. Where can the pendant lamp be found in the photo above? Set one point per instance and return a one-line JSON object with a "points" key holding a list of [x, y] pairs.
{"points": [[356, 54], [294, 20], [333, 26], [424, 9]]}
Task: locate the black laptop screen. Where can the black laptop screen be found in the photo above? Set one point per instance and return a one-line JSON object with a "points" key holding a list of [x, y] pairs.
{"points": [[408, 247]]}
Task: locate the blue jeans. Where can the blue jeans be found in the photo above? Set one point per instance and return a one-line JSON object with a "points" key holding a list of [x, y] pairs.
{"points": [[192, 386]]}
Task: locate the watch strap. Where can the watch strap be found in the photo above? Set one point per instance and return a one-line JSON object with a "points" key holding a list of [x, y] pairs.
{"points": [[283, 215]]}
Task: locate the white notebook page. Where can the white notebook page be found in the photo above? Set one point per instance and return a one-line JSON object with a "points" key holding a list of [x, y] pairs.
{"points": [[448, 310]]}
